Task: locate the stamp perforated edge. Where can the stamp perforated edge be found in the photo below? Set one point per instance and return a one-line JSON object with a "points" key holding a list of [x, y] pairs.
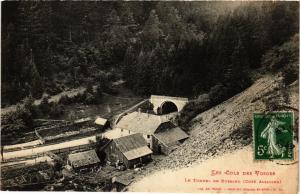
{"points": [[253, 139]]}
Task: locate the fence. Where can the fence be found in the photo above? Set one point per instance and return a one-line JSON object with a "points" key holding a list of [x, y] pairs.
{"points": [[77, 135], [39, 136], [77, 148]]}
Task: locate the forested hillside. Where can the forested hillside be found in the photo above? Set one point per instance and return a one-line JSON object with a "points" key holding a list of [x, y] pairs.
{"points": [[170, 48]]}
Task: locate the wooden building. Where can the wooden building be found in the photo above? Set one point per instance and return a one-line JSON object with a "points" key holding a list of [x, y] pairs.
{"points": [[83, 160], [120, 183], [128, 151], [144, 123], [161, 135], [167, 140]]}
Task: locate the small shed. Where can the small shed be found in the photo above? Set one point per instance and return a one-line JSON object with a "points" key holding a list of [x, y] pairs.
{"points": [[128, 150], [168, 140], [101, 123], [82, 160], [121, 182]]}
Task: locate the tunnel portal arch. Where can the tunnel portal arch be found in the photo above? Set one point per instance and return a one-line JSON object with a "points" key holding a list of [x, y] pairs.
{"points": [[167, 103], [167, 107]]}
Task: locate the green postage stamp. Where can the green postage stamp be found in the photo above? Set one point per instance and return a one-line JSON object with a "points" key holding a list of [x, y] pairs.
{"points": [[273, 135]]}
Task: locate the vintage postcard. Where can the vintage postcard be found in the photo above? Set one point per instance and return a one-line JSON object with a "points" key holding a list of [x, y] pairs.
{"points": [[150, 96]]}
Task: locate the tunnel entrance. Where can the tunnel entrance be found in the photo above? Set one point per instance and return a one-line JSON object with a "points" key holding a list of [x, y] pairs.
{"points": [[168, 107]]}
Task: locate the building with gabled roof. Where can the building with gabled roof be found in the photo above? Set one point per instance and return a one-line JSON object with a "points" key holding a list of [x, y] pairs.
{"points": [[168, 140], [121, 182], [141, 122], [128, 150], [144, 123], [160, 134], [83, 159]]}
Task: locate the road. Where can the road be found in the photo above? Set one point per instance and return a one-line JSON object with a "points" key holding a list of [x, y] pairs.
{"points": [[128, 110], [22, 145], [47, 148]]}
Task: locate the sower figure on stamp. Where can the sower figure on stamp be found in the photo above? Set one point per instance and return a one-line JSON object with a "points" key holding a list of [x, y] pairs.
{"points": [[270, 133]]}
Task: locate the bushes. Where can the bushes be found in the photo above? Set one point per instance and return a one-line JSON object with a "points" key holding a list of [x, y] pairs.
{"points": [[284, 58], [280, 56], [89, 96], [17, 121], [29, 104], [22, 118], [44, 107], [53, 89], [66, 100], [146, 107], [56, 110], [100, 142], [290, 73], [92, 96], [218, 93], [193, 108]]}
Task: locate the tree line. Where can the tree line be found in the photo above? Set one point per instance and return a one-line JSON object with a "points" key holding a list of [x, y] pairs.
{"points": [[169, 48]]}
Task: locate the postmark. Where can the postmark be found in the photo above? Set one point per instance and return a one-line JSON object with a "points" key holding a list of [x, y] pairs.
{"points": [[273, 135]]}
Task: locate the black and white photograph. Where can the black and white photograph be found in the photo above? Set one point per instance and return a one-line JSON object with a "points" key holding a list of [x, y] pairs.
{"points": [[150, 96]]}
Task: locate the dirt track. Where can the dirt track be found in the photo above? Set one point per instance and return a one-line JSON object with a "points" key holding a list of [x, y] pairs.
{"points": [[47, 148], [22, 145]]}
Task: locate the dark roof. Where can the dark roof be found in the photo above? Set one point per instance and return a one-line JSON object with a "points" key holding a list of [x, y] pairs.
{"points": [[171, 136], [83, 158], [141, 122], [124, 180], [133, 146]]}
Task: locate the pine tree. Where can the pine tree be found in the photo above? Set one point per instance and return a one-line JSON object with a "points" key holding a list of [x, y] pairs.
{"points": [[126, 15], [236, 77], [36, 80], [151, 31]]}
